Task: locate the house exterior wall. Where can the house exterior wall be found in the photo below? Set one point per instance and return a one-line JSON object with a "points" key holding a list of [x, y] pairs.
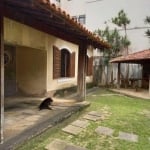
{"points": [[34, 58], [60, 83], [31, 70]]}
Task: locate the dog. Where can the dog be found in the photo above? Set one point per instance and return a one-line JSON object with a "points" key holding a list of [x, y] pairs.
{"points": [[45, 104]]}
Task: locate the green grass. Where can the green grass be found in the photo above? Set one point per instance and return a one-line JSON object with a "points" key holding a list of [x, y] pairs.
{"points": [[121, 114]]}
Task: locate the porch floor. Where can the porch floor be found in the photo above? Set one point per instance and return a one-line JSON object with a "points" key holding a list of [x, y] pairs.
{"points": [[140, 93], [22, 114]]}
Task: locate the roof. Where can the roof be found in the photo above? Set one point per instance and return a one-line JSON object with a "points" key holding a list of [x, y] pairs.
{"points": [[45, 16], [137, 57]]}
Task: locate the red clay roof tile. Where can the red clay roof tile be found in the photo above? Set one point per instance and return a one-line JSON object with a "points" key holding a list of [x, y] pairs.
{"points": [[134, 57]]}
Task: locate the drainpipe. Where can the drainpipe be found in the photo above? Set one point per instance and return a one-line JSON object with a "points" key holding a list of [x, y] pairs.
{"points": [[1, 72]]}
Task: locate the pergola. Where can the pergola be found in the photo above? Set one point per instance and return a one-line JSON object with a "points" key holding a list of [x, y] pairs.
{"points": [[141, 57], [46, 17]]}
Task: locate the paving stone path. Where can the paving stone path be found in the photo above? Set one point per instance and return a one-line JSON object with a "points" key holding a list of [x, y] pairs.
{"points": [[104, 130], [94, 116], [76, 127], [58, 144], [128, 136]]}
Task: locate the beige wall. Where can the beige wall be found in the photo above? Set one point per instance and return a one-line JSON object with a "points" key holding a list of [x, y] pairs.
{"points": [[31, 70], [35, 58], [62, 82]]}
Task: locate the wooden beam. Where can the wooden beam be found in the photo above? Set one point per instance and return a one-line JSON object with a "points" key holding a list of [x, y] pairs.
{"points": [[149, 85], [1, 73], [81, 89]]}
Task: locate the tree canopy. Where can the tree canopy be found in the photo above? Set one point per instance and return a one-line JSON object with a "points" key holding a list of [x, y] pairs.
{"points": [[147, 21], [116, 41]]}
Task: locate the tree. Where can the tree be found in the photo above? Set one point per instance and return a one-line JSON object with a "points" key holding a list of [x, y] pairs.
{"points": [[117, 43], [122, 21], [147, 21]]}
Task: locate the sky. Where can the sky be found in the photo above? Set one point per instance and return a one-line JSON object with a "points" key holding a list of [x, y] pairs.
{"points": [[103, 10], [100, 12]]}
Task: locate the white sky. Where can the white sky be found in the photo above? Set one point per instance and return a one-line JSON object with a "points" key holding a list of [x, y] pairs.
{"points": [[101, 11]]}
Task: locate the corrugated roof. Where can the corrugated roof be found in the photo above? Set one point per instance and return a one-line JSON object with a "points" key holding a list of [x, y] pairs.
{"points": [[137, 57]]}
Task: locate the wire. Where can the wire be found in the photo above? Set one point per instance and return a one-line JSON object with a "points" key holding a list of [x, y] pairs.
{"points": [[93, 1]]}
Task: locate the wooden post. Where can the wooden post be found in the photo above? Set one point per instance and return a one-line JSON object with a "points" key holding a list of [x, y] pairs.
{"points": [[149, 85], [81, 89], [1, 73], [118, 76]]}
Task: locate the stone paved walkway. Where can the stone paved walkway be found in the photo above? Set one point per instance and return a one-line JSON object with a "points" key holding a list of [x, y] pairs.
{"points": [[128, 136], [94, 116], [76, 127], [80, 123], [58, 144], [72, 129], [104, 130]]}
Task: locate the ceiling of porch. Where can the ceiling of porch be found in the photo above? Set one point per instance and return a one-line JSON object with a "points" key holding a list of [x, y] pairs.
{"points": [[46, 17]]}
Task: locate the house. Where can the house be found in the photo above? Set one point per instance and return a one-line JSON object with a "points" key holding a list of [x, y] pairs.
{"points": [[42, 50]]}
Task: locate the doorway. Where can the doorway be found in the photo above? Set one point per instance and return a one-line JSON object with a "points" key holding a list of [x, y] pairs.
{"points": [[10, 85]]}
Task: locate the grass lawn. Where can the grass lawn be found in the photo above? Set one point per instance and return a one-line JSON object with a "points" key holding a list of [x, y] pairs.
{"points": [[122, 113]]}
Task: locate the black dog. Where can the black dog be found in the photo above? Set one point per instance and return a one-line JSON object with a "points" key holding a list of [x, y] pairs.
{"points": [[46, 104]]}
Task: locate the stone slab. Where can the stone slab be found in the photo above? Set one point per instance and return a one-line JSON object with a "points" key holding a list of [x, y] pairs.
{"points": [[73, 147], [92, 117], [128, 136], [80, 123], [104, 130], [72, 129], [95, 113], [58, 144]]}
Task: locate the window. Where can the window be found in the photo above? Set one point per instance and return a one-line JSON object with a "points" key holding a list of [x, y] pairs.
{"points": [[75, 18], [65, 59], [63, 63], [89, 66], [81, 19]]}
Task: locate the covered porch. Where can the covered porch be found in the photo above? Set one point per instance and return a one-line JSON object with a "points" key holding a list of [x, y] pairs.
{"points": [[24, 120], [142, 58]]}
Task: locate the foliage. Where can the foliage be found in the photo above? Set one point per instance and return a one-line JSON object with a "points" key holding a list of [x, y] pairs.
{"points": [[147, 21], [121, 20], [116, 41]]}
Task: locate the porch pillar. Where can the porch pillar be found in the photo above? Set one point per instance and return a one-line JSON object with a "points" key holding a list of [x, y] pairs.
{"points": [[118, 77], [149, 85], [81, 87], [1, 72]]}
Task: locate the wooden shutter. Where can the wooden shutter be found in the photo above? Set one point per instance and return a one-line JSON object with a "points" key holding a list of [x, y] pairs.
{"points": [[90, 66], [72, 65], [56, 62]]}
